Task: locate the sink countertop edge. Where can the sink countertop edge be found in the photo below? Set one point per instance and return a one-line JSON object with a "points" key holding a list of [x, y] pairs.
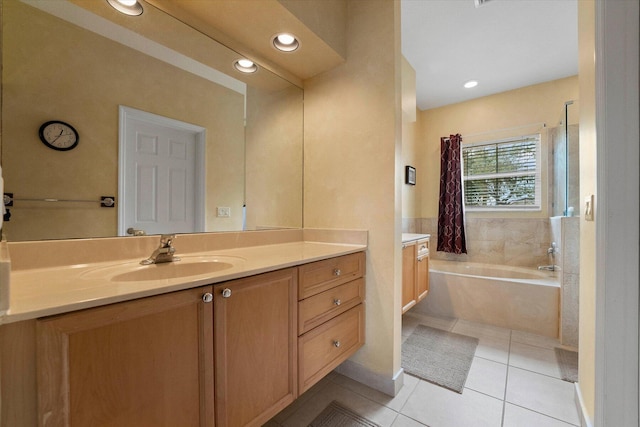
{"points": [[58, 297], [412, 237]]}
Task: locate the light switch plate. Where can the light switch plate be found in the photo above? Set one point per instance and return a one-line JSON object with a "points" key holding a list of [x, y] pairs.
{"points": [[223, 212], [589, 208]]}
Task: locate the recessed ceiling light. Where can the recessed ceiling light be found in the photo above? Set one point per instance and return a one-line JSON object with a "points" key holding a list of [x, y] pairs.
{"points": [[285, 42], [128, 7], [470, 84], [245, 66]]}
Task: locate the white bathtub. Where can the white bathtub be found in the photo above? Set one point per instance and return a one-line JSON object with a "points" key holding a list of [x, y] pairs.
{"points": [[511, 297]]}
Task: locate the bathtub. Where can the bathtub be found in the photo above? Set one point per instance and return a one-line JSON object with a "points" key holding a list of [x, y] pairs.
{"points": [[511, 297]]}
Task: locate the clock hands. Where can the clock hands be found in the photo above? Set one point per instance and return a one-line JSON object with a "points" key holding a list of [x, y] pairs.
{"points": [[59, 135]]}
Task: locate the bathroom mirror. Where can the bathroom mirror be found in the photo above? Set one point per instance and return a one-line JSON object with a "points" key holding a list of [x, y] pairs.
{"points": [[82, 72]]}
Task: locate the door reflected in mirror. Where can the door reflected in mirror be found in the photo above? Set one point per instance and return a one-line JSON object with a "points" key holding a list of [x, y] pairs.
{"points": [[58, 70]]}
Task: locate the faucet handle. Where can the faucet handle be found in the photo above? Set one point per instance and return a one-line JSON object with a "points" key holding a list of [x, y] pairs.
{"points": [[166, 239]]}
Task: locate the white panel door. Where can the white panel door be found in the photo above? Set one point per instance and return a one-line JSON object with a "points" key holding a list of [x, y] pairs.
{"points": [[161, 177]]}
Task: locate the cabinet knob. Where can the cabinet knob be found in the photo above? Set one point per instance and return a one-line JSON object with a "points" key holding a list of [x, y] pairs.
{"points": [[337, 272], [226, 293], [336, 301], [336, 344], [208, 297]]}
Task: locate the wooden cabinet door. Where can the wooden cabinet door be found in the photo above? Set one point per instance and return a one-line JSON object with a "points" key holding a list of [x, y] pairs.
{"points": [[408, 276], [422, 277], [147, 362], [255, 322]]}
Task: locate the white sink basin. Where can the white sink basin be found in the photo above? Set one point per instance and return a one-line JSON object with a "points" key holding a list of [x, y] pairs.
{"points": [[186, 267], [170, 270]]}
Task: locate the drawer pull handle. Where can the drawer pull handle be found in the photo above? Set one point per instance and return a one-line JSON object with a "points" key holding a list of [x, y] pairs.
{"points": [[226, 293], [208, 297], [337, 301], [336, 344], [337, 272]]}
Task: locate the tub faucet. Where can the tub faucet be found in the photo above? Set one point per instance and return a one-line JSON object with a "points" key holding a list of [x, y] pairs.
{"points": [[552, 267], [164, 252]]}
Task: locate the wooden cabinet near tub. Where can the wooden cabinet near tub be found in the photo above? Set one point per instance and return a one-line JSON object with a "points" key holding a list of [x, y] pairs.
{"points": [[330, 315], [422, 269], [146, 362], [415, 272], [255, 333], [409, 274]]}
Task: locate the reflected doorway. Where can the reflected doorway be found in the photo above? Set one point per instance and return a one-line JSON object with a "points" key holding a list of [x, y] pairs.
{"points": [[161, 174]]}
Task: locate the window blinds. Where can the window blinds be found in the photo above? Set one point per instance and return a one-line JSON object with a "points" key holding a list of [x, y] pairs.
{"points": [[502, 174]]}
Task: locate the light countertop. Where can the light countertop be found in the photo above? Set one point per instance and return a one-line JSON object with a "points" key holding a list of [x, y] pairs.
{"points": [[38, 292]]}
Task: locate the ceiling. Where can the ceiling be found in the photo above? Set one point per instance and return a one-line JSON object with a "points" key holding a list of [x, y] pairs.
{"points": [[503, 44]]}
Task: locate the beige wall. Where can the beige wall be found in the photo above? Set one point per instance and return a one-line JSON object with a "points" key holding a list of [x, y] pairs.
{"points": [[273, 149], [410, 193], [84, 85], [352, 140], [517, 112], [588, 180]]}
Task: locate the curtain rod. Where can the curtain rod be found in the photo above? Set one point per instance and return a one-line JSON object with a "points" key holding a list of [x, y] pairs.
{"points": [[542, 124]]}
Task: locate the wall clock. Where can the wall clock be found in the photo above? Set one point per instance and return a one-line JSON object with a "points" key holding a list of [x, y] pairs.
{"points": [[58, 135]]}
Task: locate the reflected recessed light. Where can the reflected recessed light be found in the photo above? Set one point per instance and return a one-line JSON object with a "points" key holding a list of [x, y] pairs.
{"points": [[128, 7], [470, 84], [245, 66], [285, 42]]}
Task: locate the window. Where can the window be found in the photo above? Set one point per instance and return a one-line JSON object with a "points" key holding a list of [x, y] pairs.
{"points": [[502, 175]]}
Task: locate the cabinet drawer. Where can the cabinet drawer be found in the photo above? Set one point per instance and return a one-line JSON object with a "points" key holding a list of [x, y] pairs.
{"points": [[423, 247], [319, 308], [322, 275], [328, 345]]}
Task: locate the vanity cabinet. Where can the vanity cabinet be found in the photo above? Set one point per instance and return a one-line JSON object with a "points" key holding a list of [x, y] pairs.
{"points": [[415, 272], [255, 333], [330, 315], [232, 354], [146, 362]]}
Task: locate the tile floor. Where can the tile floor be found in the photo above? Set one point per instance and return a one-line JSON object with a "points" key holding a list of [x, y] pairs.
{"points": [[514, 381]]}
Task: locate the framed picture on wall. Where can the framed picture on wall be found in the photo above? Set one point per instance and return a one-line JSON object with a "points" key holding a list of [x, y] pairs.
{"points": [[410, 175]]}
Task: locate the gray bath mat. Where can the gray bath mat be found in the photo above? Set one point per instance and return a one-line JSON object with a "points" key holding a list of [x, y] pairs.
{"points": [[440, 357], [336, 415], [568, 362]]}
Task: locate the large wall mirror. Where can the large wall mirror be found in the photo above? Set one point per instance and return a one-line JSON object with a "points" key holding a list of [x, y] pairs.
{"points": [[81, 62]]}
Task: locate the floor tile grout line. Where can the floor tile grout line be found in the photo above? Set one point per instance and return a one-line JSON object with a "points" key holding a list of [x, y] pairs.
{"points": [[506, 380], [492, 360], [542, 413], [539, 373]]}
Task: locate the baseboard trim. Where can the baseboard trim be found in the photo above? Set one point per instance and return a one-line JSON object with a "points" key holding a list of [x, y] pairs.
{"points": [[585, 421], [382, 383]]}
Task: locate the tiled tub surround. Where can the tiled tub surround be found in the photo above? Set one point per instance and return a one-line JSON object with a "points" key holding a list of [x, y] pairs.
{"points": [[509, 297], [50, 277], [505, 241]]}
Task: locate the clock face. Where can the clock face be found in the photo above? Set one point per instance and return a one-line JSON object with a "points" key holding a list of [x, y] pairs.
{"points": [[59, 135]]}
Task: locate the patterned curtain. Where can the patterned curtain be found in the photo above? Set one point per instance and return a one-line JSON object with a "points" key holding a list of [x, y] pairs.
{"points": [[451, 236]]}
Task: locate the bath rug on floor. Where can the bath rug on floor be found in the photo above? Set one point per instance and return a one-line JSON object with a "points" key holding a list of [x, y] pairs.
{"points": [[336, 415], [438, 356], [568, 362]]}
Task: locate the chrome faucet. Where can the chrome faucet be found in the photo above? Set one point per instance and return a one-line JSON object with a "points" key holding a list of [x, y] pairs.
{"points": [[164, 252], [552, 255]]}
